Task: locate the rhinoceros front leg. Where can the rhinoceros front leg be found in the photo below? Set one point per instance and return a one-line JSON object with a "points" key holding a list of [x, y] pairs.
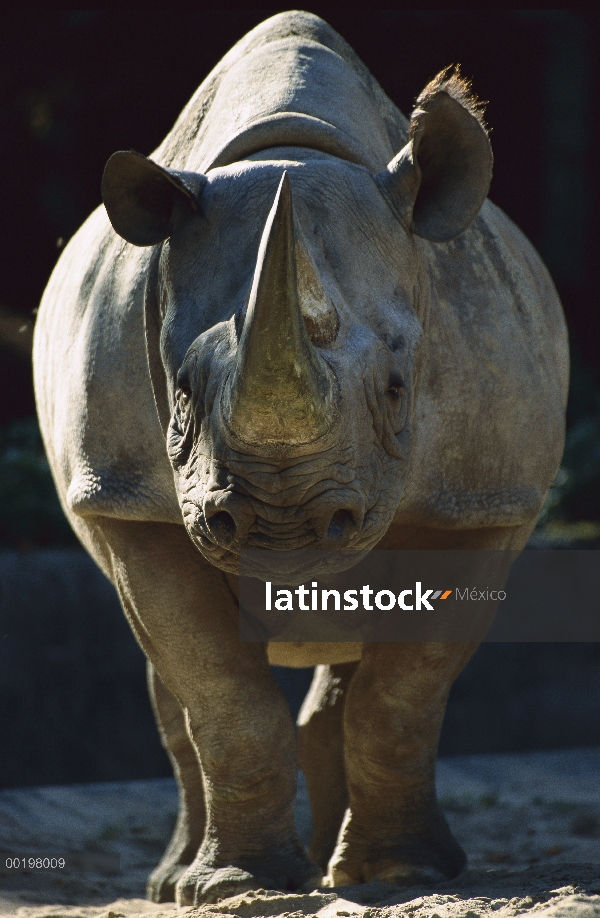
{"points": [[393, 828], [189, 827], [321, 755], [185, 618]]}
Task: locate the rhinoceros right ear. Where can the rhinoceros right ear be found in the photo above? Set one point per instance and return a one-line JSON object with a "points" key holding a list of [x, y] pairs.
{"points": [[440, 179], [145, 202]]}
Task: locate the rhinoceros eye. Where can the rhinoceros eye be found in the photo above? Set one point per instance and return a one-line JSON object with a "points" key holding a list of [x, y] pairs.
{"points": [[184, 389], [184, 392], [395, 389]]}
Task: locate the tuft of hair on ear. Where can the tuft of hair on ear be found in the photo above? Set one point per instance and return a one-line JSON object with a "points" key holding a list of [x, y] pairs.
{"points": [[450, 81]]}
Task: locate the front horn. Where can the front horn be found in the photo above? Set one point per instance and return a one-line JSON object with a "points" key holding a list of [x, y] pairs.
{"points": [[281, 390]]}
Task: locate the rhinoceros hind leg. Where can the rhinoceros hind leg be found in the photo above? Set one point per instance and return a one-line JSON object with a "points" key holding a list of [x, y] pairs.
{"points": [[321, 755], [189, 827]]}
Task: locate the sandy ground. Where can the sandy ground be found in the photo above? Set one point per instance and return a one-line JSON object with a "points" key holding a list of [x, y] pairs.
{"points": [[530, 824]]}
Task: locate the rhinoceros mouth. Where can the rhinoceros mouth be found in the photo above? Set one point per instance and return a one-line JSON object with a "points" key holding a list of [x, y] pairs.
{"points": [[226, 528], [283, 562], [229, 523]]}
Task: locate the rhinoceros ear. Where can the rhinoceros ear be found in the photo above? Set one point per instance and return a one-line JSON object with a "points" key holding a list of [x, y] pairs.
{"points": [[145, 203], [440, 179]]}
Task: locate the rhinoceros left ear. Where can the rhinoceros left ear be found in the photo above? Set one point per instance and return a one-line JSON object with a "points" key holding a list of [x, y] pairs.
{"points": [[145, 202], [440, 179]]}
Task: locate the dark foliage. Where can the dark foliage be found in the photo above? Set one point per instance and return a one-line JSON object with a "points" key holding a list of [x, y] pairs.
{"points": [[30, 513]]}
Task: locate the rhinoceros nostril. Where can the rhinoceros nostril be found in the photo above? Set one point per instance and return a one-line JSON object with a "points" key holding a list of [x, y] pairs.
{"points": [[341, 524], [222, 525]]}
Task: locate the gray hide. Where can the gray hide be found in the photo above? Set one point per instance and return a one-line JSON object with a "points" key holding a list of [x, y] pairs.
{"points": [[319, 334]]}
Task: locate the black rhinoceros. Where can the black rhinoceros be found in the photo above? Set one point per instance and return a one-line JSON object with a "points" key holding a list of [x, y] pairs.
{"points": [[306, 327]]}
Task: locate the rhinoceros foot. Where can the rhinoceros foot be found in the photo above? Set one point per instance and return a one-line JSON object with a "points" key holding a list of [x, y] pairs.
{"points": [[203, 883], [410, 860]]}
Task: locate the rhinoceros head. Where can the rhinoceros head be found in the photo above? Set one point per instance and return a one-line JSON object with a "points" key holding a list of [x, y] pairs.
{"points": [[291, 295]]}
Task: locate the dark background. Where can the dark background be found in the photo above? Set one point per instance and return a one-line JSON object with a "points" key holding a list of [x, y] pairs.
{"points": [[78, 85]]}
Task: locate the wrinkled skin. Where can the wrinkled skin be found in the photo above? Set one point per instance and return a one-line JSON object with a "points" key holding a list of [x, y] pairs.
{"points": [[365, 353]]}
